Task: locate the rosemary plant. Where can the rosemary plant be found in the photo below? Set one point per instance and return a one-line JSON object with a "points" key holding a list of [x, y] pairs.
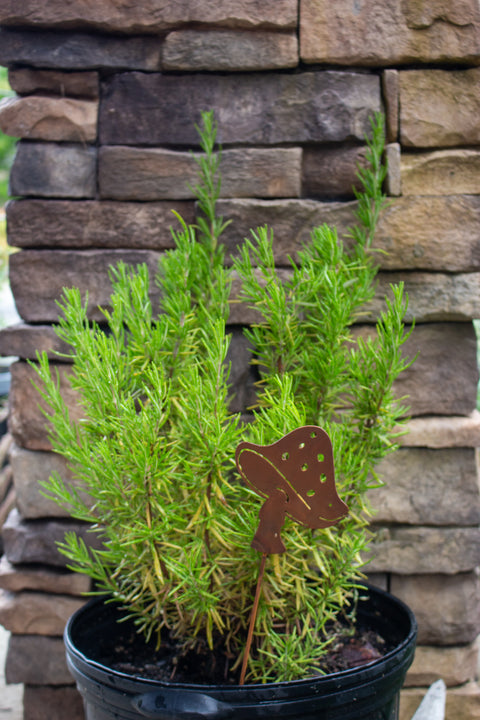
{"points": [[155, 449]]}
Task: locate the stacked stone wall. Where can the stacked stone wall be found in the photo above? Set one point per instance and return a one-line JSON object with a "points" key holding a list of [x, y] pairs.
{"points": [[108, 94]]}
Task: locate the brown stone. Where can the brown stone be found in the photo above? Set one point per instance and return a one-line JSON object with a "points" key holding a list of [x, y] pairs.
{"points": [[443, 432], [79, 51], [31, 469], [433, 297], [35, 541], [42, 274], [439, 239], [446, 606], [26, 81], [71, 224], [331, 172], [416, 550], [51, 170], [55, 703], [45, 118], [445, 358], [443, 172], [229, 51], [455, 665], [34, 613], [428, 487], [27, 422], [327, 106], [391, 32], [439, 108], [23, 341], [42, 579], [156, 174], [393, 180], [390, 87], [37, 660], [149, 16]]}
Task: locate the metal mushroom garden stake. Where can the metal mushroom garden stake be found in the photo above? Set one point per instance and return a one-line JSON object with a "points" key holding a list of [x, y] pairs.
{"points": [[296, 476]]}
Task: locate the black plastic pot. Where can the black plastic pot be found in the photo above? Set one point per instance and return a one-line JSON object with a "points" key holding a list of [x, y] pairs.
{"points": [[369, 692]]}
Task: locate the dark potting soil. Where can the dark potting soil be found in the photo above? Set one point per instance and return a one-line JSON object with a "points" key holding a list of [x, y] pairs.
{"points": [[130, 655]]}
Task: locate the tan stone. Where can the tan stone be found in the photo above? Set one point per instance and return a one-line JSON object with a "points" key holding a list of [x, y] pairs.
{"points": [[444, 172], [433, 297], [54, 170], [156, 174], [430, 233], [92, 224], [26, 81], [229, 51], [439, 108], [34, 613], [416, 550], [443, 432], [54, 703], [446, 606], [389, 32], [37, 660], [15, 578], [390, 87], [463, 703], [428, 487], [150, 15], [45, 118], [42, 274], [454, 665], [27, 422], [393, 179]]}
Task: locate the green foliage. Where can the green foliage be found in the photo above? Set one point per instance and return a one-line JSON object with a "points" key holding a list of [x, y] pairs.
{"points": [[154, 451], [7, 144]]}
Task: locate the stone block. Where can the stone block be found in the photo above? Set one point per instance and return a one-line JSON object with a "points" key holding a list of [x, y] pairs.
{"points": [[463, 703], [229, 51], [41, 578], [26, 81], [34, 613], [35, 541], [149, 16], [390, 88], [51, 170], [454, 665], [55, 703], [92, 224], [391, 32], [443, 432], [27, 422], [393, 180], [23, 341], [42, 274], [161, 109], [442, 172], [446, 606], [428, 487], [45, 118], [417, 550], [30, 469], [157, 174], [37, 660], [331, 172], [439, 233], [439, 108], [433, 297], [51, 49]]}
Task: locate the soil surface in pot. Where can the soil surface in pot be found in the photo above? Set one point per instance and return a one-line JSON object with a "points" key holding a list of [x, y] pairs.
{"points": [[132, 656]]}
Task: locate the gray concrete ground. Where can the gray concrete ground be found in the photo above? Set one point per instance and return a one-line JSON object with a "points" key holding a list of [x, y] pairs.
{"points": [[11, 696]]}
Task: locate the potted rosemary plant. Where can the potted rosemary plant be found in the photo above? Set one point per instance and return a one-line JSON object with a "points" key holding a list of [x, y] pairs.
{"points": [[172, 520]]}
